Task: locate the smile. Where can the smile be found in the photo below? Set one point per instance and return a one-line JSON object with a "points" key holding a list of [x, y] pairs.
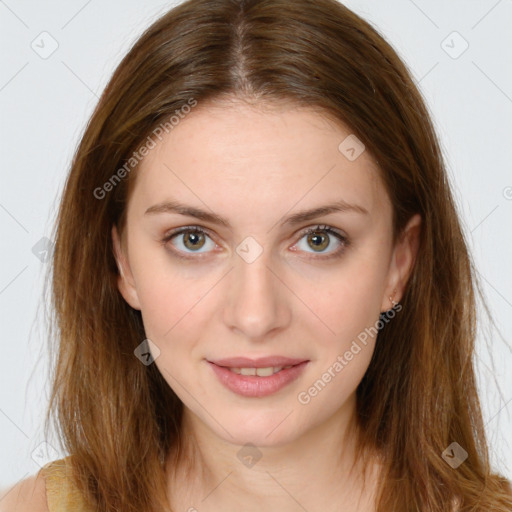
{"points": [[260, 372], [257, 382]]}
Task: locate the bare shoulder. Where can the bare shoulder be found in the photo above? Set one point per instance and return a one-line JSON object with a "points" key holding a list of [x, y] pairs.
{"points": [[28, 495]]}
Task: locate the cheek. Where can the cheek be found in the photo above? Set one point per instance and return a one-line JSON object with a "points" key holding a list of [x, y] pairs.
{"points": [[175, 321], [345, 301], [344, 351], [170, 306], [169, 292], [348, 303]]}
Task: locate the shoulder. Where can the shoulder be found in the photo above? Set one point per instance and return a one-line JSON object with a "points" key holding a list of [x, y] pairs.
{"points": [[28, 495], [50, 490]]}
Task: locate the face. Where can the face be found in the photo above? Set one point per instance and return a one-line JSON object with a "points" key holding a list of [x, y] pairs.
{"points": [[251, 234]]}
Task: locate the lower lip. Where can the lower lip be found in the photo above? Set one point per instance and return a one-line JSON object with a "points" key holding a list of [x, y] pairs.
{"points": [[253, 386]]}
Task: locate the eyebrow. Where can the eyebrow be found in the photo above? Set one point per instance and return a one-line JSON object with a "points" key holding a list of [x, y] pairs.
{"points": [[296, 218]]}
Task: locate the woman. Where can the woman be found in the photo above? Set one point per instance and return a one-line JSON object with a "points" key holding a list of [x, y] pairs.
{"points": [[262, 293]]}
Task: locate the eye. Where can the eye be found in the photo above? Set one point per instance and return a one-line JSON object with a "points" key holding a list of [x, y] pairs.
{"points": [[189, 239], [193, 239], [320, 238]]}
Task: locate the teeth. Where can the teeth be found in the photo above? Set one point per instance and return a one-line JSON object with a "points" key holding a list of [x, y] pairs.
{"points": [[260, 372], [266, 372]]}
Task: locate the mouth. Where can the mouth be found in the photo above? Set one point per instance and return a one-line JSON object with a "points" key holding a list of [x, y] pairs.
{"points": [[259, 372], [257, 378]]}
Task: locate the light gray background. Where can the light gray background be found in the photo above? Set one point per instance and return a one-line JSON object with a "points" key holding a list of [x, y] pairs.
{"points": [[45, 103]]}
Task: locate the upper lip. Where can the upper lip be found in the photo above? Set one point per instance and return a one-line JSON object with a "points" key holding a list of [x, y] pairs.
{"points": [[262, 362]]}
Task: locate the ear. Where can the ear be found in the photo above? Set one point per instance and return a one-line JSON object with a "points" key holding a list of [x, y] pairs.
{"points": [[125, 281], [402, 262]]}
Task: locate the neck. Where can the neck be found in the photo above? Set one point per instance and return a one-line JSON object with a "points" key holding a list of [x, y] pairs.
{"points": [[319, 470]]}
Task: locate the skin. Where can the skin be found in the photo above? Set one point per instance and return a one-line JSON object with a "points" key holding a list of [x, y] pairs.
{"points": [[29, 495], [254, 165]]}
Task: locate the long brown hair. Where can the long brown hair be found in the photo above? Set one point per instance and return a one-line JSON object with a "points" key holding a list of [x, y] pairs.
{"points": [[119, 419]]}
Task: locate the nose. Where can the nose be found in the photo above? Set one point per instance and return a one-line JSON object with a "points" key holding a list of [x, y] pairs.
{"points": [[258, 304]]}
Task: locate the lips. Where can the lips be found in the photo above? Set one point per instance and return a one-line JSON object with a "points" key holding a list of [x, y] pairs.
{"points": [[262, 362], [257, 377]]}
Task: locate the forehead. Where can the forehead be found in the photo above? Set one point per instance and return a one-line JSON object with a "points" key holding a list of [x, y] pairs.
{"points": [[236, 156]]}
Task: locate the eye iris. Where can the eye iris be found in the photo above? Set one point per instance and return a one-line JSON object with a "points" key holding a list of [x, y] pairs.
{"points": [[318, 243], [193, 238]]}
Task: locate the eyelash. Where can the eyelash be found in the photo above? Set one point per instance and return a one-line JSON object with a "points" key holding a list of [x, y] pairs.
{"points": [[345, 242]]}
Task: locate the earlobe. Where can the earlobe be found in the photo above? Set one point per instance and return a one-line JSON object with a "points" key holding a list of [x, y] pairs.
{"points": [[402, 262], [125, 281]]}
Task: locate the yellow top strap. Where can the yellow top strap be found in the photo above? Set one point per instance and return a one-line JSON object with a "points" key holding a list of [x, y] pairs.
{"points": [[61, 494]]}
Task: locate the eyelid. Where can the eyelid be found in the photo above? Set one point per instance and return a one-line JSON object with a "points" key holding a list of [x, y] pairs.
{"points": [[342, 238], [322, 227], [184, 229], [304, 231], [184, 256]]}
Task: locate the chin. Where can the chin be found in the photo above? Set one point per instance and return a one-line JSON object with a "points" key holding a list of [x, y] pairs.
{"points": [[260, 428]]}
